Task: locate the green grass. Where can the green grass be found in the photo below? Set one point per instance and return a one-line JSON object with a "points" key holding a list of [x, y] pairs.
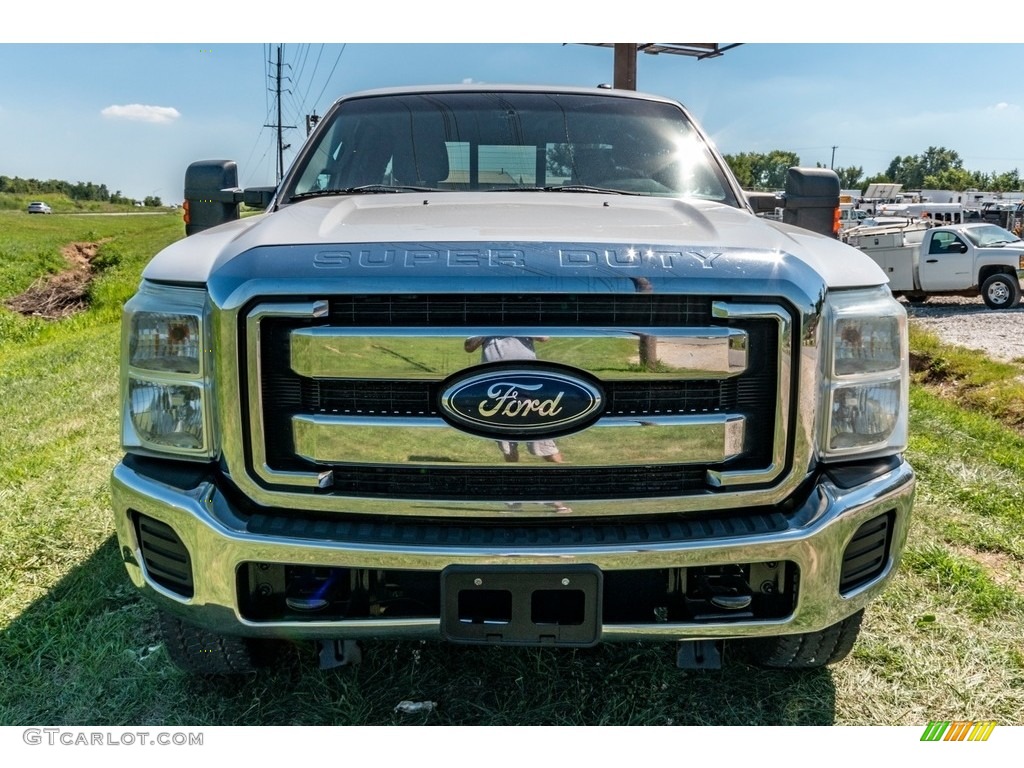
{"points": [[78, 646], [969, 378], [31, 249]]}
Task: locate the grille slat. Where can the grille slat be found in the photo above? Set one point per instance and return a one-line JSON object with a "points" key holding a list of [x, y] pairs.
{"points": [[473, 309]]}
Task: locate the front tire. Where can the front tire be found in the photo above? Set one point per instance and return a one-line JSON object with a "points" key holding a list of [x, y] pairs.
{"points": [[806, 651], [1000, 292], [201, 652]]}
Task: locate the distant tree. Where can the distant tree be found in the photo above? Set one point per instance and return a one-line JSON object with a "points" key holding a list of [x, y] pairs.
{"points": [[152, 202], [952, 178], [755, 170], [86, 190], [80, 190], [979, 180], [742, 166], [771, 172], [905, 171], [850, 177], [935, 160], [910, 171], [1004, 182]]}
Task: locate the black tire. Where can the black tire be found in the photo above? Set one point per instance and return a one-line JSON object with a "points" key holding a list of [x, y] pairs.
{"points": [[806, 651], [916, 298], [1000, 292], [201, 652]]}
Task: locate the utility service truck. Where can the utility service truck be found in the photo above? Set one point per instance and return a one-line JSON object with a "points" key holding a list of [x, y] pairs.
{"points": [[511, 366], [921, 260]]}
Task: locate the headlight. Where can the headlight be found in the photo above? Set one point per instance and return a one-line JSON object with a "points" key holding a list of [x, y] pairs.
{"points": [[169, 415], [165, 342], [166, 391], [865, 376]]}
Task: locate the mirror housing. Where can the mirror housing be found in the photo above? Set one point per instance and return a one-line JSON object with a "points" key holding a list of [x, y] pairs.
{"points": [[212, 196], [210, 187], [812, 200]]}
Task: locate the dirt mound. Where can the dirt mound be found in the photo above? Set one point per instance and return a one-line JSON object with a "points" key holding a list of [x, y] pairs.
{"points": [[56, 296]]}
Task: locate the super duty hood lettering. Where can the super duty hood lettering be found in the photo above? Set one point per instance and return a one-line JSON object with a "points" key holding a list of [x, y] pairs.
{"points": [[620, 258]]}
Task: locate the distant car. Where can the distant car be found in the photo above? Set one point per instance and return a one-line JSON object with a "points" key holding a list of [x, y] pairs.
{"points": [[39, 208]]}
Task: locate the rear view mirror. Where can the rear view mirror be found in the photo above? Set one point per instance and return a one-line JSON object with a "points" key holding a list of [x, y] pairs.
{"points": [[812, 200], [210, 194]]}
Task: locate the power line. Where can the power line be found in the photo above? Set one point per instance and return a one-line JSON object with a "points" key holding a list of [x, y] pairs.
{"points": [[328, 81], [312, 77]]}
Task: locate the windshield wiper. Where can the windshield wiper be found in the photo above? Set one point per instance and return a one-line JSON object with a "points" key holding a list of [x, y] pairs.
{"points": [[560, 188], [365, 189]]}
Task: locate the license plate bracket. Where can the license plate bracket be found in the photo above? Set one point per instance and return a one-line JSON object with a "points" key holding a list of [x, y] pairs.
{"points": [[522, 605]]}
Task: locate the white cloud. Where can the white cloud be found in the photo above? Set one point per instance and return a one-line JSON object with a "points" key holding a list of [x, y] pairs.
{"points": [[142, 113]]}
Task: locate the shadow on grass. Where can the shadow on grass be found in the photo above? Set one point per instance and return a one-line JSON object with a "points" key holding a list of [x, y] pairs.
{"points": [[89, 654]]}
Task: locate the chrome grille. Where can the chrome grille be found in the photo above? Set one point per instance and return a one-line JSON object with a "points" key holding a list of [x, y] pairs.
{"points": [[397, 394]]}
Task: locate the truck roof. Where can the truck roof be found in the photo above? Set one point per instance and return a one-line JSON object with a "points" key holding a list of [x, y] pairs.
{"points": [[508, 87]]}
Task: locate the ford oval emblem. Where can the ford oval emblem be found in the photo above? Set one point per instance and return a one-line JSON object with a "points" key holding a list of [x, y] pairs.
{"points": [[532, 402]]}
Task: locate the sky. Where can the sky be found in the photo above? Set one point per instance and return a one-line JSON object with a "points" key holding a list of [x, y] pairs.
{"points": [[127, 100]]}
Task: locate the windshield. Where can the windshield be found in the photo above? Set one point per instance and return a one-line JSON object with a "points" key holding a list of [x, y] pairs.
{"points": [[509, 141], [989, 235]]}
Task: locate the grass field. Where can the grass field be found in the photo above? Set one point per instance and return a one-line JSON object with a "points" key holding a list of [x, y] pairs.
{"points": [[78, 647]]}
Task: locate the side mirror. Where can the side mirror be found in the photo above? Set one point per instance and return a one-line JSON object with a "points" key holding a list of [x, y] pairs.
{"points": [[763, 202], [210, 194], [258, 197], [812, 200]]}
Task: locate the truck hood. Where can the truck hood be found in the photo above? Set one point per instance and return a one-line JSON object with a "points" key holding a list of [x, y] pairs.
{"points": [[561, 219]]}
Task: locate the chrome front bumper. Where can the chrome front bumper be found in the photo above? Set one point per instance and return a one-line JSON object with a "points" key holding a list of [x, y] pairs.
{"points": [[213, 529]]}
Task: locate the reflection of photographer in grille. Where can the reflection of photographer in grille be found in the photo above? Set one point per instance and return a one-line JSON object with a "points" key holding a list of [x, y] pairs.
{"points": [[514, 348]]}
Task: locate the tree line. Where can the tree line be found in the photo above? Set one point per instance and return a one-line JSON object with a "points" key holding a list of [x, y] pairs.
{"points": [[935, 168], [82, 190]]}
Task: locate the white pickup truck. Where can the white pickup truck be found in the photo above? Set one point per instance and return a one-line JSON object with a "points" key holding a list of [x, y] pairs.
{"points": [[340, 416], [961, 260]]}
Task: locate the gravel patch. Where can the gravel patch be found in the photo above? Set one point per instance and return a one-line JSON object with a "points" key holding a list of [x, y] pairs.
{"points": [[969, 323]]}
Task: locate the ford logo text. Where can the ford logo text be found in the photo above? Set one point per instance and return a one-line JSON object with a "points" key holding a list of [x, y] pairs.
{"points": [[534, 402]]}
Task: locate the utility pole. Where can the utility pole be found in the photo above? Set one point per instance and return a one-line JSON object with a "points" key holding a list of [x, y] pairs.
{"points": [[625, 66], [281, 146], [833, 165]]}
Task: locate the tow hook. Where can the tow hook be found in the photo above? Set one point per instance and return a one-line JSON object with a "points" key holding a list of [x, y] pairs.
{"points": [[699, 654], [339, 653]]}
